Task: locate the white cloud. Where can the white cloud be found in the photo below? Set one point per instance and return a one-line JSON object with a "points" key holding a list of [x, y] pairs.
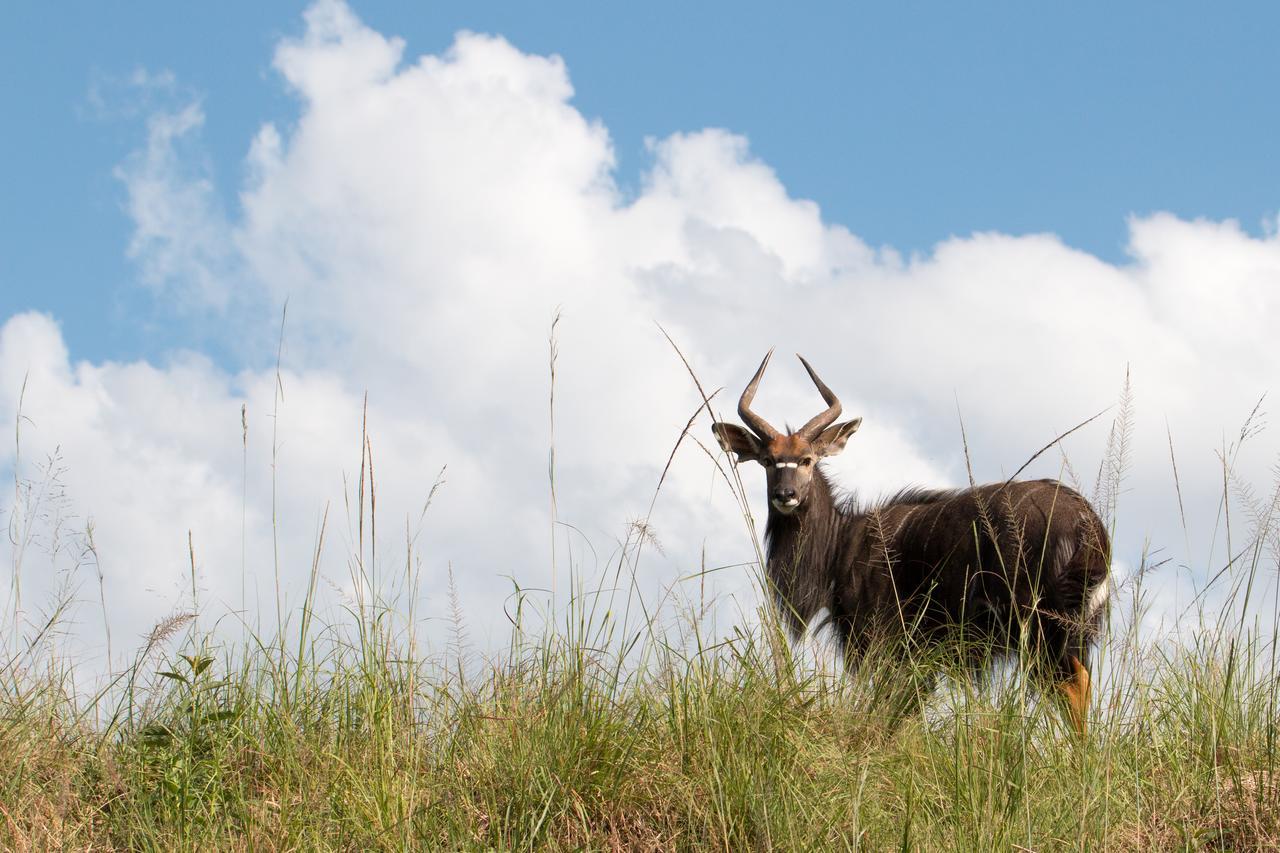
{"points": [[425, 219], [180, 238]]}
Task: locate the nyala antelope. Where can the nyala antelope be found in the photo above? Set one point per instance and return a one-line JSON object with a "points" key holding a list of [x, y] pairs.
{"points": [[1008, 566]]}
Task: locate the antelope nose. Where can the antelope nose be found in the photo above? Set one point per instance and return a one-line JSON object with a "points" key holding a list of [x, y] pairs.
{"points": [[784, 495]]}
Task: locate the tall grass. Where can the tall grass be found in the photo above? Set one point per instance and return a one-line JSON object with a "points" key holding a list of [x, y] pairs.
{"points": [[608, 725]]}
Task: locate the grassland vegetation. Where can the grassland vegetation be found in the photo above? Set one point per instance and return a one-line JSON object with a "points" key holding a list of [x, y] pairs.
{"points": [[606, 724]]}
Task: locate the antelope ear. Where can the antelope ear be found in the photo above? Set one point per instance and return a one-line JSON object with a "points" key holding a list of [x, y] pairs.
{"points": [[833, 437], [735, 439]]}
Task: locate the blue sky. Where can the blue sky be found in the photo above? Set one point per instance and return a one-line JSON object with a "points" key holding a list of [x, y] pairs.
{"points": [[906, 122]]}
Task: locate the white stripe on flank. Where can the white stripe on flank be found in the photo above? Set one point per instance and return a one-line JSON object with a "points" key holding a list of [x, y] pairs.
{"points": [[1098, 598], [1066, 550]]}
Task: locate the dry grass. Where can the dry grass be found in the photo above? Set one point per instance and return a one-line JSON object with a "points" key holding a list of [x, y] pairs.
{"points": [[344, 738]]}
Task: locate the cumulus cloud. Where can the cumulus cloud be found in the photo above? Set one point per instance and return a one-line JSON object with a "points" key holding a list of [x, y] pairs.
{"points": [[426, 218]]}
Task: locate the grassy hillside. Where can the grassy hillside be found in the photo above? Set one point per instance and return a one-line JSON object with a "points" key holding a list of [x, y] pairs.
{"points": [[588, 733], [353, 746]]}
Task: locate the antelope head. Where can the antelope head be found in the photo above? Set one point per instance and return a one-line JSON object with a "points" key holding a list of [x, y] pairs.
{"points": [[789, 460]]}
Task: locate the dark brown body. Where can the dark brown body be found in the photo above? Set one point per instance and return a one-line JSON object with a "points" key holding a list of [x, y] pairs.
{"points": [[998, 565]]}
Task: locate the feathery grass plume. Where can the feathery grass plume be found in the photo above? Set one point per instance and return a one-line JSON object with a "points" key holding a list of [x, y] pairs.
{"points": [[1116, 457], [1262, 515], [458, 641], [164, 630], [645, 532]]}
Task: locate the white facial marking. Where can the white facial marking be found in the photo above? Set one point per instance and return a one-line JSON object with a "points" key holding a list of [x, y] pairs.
{"points": [[787, 464]]}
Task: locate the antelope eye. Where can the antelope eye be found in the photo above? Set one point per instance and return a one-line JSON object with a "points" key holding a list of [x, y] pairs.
{"points": [[767, 462], [806, 462]]}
